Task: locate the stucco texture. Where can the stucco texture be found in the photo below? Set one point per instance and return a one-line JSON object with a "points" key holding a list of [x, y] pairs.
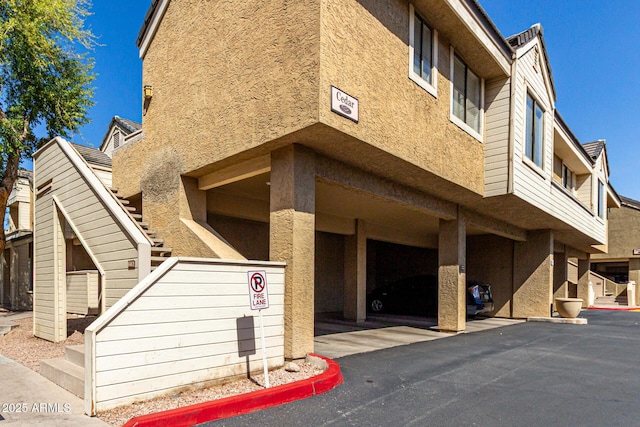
{"points": [[364, 52], [624, 234]]}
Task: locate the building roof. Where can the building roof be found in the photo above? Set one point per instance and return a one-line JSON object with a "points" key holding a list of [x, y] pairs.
{"points": [[23, 173], [128, 126], [518, 40], [631, 203], [594, 148], [93, 155], [473, 4]]}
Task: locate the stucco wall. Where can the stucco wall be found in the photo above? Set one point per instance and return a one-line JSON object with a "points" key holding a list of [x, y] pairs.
{"points": [[490, 260], [218, 70], [364, 52], [623, 234]]}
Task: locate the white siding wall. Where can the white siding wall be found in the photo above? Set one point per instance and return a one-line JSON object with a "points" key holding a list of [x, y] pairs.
{"points": [[82, 291], [534, 184], [180, 328], [105, 237], [497, 99]]}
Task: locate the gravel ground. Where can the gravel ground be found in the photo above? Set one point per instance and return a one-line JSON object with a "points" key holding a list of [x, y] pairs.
{"points": [[20, 345]]}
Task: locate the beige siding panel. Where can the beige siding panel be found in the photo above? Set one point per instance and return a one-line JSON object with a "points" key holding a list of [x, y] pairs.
{"points": [[104, 237], [497, 95], [183, 330]]}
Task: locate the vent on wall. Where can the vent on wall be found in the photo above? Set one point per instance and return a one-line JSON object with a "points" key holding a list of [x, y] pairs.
{"points": [[116, 139]]}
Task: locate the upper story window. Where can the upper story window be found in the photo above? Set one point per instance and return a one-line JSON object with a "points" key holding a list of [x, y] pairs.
{"points": [[423, 52], [534, 138], [600, 199], [466, 103], [568, 178]]}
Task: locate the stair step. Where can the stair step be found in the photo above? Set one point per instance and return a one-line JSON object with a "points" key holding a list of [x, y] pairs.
{"points": [[137, 216], [160, 250], [130, 208], [123, 201], [114, 190], [64, 373], [75, 354], [157, 241], [158, 259]]}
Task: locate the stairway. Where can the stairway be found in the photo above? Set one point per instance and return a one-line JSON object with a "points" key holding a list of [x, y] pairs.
{"points": [[67, 371], [158, 252], [620, 300]]}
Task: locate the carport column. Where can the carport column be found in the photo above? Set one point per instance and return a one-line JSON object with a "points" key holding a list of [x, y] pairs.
{"points": [[292, 240], [355, 274], [452, 248], [584, 266], [560, 276], [533, 275], [634, 274]]}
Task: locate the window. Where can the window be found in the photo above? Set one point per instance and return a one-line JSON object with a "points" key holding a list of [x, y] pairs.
{"points": [[567, 178], [423, 52], [535, 130], [600, 199], [467, 94]]}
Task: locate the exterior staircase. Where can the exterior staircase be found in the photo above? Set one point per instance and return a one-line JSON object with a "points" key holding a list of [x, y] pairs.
{"points": [[159, 252], [620, 300], [68, 371]]}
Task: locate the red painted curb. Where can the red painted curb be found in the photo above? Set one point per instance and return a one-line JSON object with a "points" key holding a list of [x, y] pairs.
{"points": [[244, 403], [616, 308]]}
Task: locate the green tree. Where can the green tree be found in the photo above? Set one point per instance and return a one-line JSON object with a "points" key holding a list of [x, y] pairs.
{"points": [[45, 80]]}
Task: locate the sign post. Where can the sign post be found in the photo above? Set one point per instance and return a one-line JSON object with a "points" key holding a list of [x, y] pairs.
{"points": [[259, 299]]}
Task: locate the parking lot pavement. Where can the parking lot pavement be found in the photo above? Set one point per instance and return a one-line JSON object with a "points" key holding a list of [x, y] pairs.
{"points": [[528, 374]]}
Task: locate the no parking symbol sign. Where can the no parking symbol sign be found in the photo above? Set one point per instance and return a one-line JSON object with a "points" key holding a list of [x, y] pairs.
{"points": [[258, 293]]}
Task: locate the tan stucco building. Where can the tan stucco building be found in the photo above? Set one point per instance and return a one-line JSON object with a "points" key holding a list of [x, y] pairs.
{"points": [[359, 142], [17, 278], [621, 263]]}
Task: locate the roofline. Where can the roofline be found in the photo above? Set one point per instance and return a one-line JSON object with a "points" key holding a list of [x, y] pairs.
{"points": [[572, 136], [508, 50], [116, 119], [150, 25], [158, 7]]}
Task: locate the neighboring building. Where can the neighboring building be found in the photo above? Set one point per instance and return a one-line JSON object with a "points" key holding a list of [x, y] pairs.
{"points": [[414, 140], [17, 279], [120, 132], [621, 263]]}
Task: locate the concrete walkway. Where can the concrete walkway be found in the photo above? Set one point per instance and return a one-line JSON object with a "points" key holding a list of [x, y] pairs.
{"points": [[335, 338], [28, 399], [7, 317]]}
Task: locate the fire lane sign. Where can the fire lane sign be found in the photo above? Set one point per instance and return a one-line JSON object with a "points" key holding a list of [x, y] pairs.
{"points": [[258, 294]]}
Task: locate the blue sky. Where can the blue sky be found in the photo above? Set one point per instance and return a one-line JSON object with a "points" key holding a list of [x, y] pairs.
{"points": [[589, 42]]}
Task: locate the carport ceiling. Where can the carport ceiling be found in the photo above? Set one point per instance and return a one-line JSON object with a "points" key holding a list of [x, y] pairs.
{"points": [[348, 203]]}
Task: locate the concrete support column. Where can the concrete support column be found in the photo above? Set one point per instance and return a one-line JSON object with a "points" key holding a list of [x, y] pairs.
{"points": [[292, 240], [451, 276], [584, 266], [560, 276], [533, 275], [634, 274], [355, 274]]}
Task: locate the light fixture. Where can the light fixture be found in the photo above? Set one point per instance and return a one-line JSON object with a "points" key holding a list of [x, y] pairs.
{"points": [[148, 91]]}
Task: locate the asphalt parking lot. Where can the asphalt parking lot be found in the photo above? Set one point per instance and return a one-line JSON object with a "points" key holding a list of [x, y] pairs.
{"points": [[528, 374]]}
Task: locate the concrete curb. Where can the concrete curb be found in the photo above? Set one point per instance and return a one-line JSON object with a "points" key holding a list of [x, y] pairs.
{"points": [[244, 403], [616, 308]]}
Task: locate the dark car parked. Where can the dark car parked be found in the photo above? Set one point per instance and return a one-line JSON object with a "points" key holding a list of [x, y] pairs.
{"points": [[418, 295]]}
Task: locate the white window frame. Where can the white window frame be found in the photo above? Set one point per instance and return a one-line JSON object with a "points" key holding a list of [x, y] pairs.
{"points": [[601, 200], [477, 134], [432, 86], [541, 166]]}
